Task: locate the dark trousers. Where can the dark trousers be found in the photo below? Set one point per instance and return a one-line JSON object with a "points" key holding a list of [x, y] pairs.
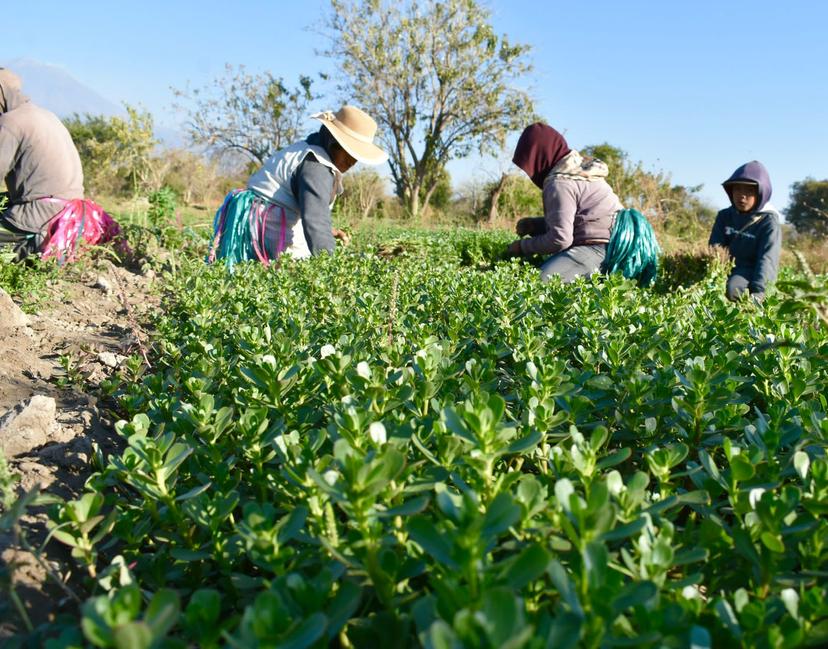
{"points": [[739, 283], [21, 243]]}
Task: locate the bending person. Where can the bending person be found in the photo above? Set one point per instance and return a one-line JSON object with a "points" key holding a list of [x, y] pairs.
{"points": [[41, 167], [578, 205], [750, 231], [286, 207]]}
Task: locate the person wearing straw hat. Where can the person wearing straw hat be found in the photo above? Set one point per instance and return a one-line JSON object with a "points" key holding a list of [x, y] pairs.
{"points": [[286, 206]]}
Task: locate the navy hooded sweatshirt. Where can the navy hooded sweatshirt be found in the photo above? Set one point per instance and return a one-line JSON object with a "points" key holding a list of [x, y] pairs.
{"points": [[754, 239]]}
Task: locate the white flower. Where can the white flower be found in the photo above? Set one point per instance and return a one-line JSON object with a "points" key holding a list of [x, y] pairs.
{"points": [[330, 477], [363, 370], [755, 496], [377, 432], [327, 350], [791, 600], [563, 491], [690, 592], [801, 463], [615, 484]]}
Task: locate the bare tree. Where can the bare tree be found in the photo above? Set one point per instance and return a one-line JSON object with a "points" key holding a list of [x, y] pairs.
{"points": [[255, 115], [436, 78], [363, 191]]}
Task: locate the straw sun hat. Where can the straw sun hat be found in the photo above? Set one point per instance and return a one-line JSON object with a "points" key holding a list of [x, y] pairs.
{"points": [[354, 130]]}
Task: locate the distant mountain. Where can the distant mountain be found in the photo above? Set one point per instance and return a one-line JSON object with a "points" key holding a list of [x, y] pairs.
{"points": [[55, 89]]}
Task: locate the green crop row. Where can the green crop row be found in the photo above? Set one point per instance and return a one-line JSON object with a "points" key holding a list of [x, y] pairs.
{"points": [[400, 450], [468, 247]]}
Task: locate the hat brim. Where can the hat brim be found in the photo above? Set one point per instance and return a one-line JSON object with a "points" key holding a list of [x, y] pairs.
{"points": [[364, 152]]}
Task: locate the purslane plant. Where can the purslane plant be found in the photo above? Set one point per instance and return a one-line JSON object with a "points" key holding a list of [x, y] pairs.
{"points": [[363, 448]]}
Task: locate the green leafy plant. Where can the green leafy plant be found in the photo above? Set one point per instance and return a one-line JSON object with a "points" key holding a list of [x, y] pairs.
{"points": [[368, 446], [162, 207]]}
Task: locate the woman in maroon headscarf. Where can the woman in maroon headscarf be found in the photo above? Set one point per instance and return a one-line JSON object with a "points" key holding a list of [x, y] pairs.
{"points": [[578, 205]]}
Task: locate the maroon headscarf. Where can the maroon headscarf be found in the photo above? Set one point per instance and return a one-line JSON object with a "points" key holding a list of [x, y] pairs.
{"points": [[539, 148]]}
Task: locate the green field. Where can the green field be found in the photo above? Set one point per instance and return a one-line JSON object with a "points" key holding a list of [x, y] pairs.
{"points": [[411, 443]]}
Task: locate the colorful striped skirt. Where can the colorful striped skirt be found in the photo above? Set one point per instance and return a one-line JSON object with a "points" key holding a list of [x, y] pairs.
{"points": [[242, 226]]}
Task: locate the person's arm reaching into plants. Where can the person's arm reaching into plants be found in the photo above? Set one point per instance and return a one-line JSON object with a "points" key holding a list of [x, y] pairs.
{"points": [[561, 206], [313, 184]]}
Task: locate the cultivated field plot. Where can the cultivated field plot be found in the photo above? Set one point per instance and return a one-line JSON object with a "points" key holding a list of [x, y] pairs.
{"points": [[393, 447]]}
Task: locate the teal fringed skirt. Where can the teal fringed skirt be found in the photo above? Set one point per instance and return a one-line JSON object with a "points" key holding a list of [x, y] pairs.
{"points": [[239, 229], [633, 249]]}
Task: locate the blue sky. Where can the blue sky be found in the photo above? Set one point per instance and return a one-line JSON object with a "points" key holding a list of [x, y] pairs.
{"points": [[694, 89]]}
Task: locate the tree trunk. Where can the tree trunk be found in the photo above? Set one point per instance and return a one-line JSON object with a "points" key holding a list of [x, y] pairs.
{"points": [[498, 190], [412, 201], [427, 201]]}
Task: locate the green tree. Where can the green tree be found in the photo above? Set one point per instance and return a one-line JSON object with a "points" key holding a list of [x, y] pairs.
{"points": [[116, 152], [440, 196], [676, 208], [95, 141], [254, 115], [437, 79], [808, 210], [136, 144], [511, 197]]}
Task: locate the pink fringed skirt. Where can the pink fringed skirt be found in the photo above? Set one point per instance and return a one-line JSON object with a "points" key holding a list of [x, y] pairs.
{"points": [[79, 221]]}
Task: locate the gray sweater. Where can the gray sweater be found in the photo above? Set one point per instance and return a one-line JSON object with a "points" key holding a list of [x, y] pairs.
{"points": [[576, 211], [37, 159]]}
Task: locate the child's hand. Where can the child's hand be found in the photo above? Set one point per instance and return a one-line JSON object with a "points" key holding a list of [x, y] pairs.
{"points": [[343, 236]]}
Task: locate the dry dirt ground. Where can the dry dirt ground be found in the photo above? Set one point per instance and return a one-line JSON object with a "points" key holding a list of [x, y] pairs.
{"points": [[88, 325]]}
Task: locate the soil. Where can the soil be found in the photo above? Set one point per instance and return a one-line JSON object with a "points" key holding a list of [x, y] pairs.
{"points": [[90, 322]]}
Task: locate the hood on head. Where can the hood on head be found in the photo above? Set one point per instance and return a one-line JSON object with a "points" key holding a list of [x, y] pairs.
{"points": [[539, 148], [752, 172], [10, 95]]}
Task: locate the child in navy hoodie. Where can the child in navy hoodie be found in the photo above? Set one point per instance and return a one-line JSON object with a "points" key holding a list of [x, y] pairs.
{"points": [[750, 231]]}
